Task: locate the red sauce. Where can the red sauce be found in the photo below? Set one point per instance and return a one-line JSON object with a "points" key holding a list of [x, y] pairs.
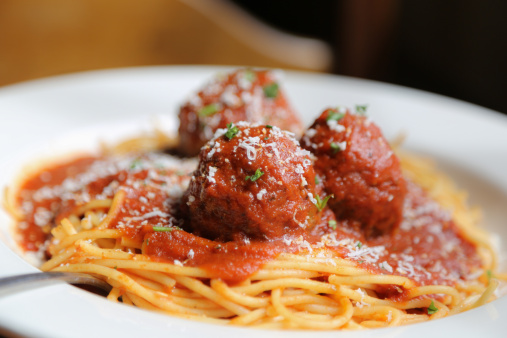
{"points": [[427, 247]]}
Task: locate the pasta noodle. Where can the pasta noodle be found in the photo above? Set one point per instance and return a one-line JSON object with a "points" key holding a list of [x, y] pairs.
{"points": [[314, 289]]}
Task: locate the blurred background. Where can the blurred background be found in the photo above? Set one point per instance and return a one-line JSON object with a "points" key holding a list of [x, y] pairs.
{"points": [[456, 48]]}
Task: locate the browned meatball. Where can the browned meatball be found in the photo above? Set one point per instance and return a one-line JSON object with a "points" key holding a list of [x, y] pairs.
{"points": [[252, 182], [244, 95], [359, 168]]}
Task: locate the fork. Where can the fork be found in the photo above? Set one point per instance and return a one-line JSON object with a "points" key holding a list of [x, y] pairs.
{"points": [[12, 284]]}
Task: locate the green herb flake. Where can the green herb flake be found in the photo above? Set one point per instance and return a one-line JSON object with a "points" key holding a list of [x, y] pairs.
{"points": [[317, 181], [208, 110], [115, 267], [136, 164], [361, 262], [218, 247], [359, 244], [335, 147], [333, 115], [256, 176], [250, 75], [266, 138], [361, 109], [432, 308], [490, 275], [271, 90], [232, 131], [269, 126], [332, 224], [321, 203], [162, 229]]}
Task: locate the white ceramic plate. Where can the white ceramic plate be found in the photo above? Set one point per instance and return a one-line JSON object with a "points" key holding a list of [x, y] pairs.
{"points": [[74, 112]]}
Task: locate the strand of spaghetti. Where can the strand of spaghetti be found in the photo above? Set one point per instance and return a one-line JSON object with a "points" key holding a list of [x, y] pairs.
{"points": [[88, 234], [92, 205], [259, 287], [366, 299], [68, 227], [185, 293], [248, 318], [160, 278], [125, 299], [319, 309], [442, 312], [129, 284], [483, 299], [141, 302], [302, 321], [147, 283], [142, 264], [58, 259], [372, 279], [313, 259], [237, 297], [118, 199], [436, 289], [307, 298], [211, 294], [95, 251], [114, 294], [413, 319], [339, 270], [471, 288], [274, 274], [198, 303], [392, 315]]}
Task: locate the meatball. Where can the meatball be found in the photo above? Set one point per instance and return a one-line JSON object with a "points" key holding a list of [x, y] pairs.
{"points": [[359, 168], [252, 182], [244, 95]]}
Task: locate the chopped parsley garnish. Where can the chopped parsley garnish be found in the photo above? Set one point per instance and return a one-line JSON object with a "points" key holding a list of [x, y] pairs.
{"points": [[269, 126], [489, 273], [361, 109], [321, 203], [115, 267], [336, 147], [332, 224], [164, 229], [317, 181], [266, 138], [135, 164], [219, 246], [232, 130], [250, 75], [361, 262], [271, 90], [359, 244], [208, 110], [432, 308], [334, 115], [255, 177]]}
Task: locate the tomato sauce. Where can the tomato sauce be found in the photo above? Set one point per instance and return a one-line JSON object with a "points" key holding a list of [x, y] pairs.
{"points": [[427, 246]]}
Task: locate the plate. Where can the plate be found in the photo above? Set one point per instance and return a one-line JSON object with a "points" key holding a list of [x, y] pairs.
{"points": [[64, 114]]}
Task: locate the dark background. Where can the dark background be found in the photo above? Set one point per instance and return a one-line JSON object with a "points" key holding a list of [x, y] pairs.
{"points": [[455, 48]]}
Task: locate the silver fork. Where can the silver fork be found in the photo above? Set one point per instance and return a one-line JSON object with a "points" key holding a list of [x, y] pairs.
{"points": [[9, 285]]}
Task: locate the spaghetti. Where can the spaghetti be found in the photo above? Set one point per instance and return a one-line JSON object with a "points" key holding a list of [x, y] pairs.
{"points": [[100, 230], [335, 232]]}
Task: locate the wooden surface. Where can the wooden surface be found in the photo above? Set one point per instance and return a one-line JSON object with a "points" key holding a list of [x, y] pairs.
{"points": [[44, 38]]}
